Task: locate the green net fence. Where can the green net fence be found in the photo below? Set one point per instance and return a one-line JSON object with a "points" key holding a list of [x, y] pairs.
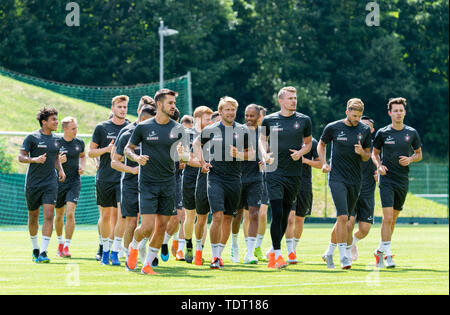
{"points": [[430, 181], [13, 206], [102, 95]]}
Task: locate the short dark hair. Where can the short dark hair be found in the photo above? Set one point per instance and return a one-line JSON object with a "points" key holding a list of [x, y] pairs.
{"points": [[396, 100], [146, 100], [214, 115], [255, 107], [368, 118], [44, 113], [161, 94], [187, 119], [176, 114], [148, 110]]}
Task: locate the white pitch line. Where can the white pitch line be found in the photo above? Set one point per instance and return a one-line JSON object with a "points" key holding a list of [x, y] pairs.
{"points": [[276, 286]]}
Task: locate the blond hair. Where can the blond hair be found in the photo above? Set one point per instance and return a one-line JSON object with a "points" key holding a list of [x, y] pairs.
{"points": [[68, 120], [119, 98], [202, 110], [355, 104], [227, 100], [286, 89]]}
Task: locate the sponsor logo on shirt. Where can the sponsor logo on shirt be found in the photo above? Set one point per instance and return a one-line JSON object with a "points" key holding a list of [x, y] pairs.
{"points": [[389, 140], [277, 127], [341, 136], [111, 135], [360, 136], [42, 145], [153, 136], [62, 149]]}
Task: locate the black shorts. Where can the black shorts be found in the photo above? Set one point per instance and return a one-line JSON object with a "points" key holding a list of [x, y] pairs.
{"points": [[223, 196], [251, 195], [393, 194], [201, 194], [129, 199], [344, 197], [189, 192], [303, 205], [37, 196], [108, 194], [156, 198], [68, 192], [364, 209], [283, 188]]}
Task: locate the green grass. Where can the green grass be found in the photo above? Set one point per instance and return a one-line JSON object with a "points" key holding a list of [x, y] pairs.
{"points": [[21, 101], [422, 258]]}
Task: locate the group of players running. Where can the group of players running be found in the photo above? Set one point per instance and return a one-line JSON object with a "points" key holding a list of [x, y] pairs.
{"points": [[156, 173]]}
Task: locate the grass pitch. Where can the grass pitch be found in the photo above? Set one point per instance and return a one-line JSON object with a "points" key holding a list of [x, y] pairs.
{"points": [[422, 258]]}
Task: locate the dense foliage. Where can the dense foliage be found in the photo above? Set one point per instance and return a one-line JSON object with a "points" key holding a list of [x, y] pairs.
{"points": [[248, 49]]}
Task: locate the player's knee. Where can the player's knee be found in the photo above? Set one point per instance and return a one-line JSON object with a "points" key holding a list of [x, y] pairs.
{"points": [[342, 219]]}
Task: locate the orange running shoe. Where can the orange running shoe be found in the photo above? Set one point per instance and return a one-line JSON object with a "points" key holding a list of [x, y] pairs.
{"points": [[292, 258], [198, 258], [147, 270], [132, 258], [280, 263], [59, 252], [271, 258], [174, 248], [180, 256], [66, 252]]}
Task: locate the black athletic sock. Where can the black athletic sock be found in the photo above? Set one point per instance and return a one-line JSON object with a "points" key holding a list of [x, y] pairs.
{"points": [[189, 243], [164, 249], [276, 229]]}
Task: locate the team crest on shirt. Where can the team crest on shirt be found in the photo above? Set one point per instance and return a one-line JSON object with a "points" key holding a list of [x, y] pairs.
{"points": [[407, 137], [296, 125], [235, 135]]}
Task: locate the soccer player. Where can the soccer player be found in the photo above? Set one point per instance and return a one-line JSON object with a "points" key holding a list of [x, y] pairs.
{"points": [[129, 198], [350, 145], [173, 227], [229, 146], [158, 138], [202, 117], [288, 131], [251, 194], [365, 206], [108, 179], [394, 142], [303, 205], [262, 220], [40, 150], [73, 159]]}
